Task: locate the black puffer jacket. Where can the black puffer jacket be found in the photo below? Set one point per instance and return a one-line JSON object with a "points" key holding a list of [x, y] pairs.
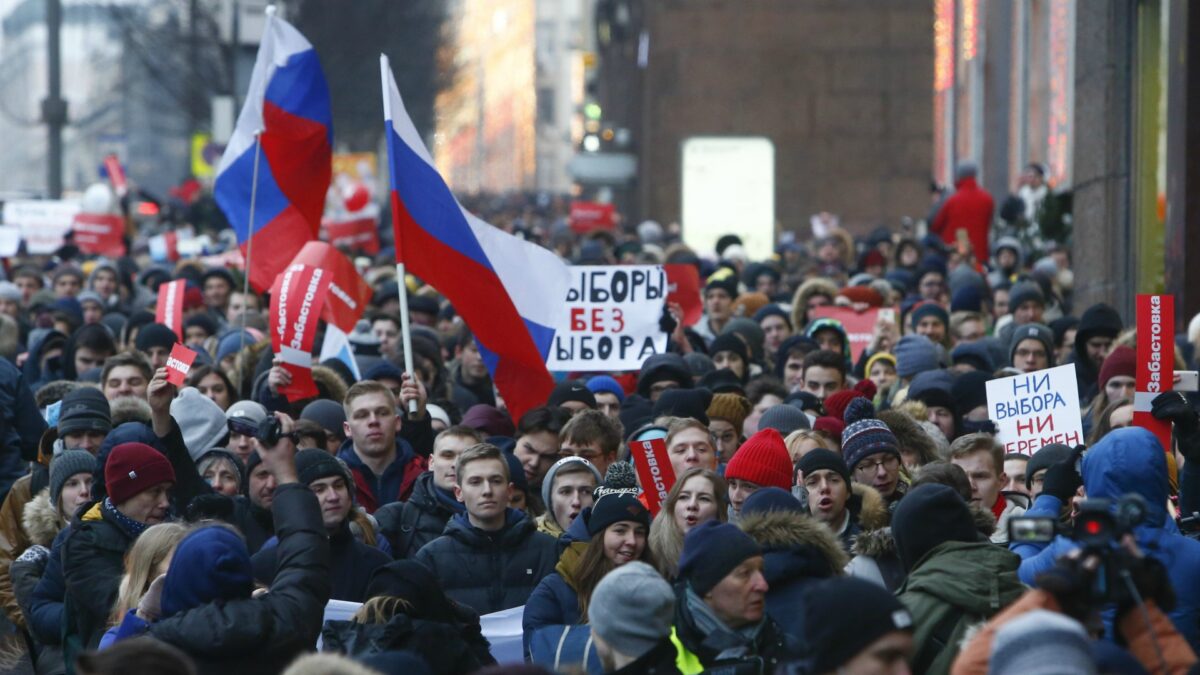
{"points": [[410, 525], [490, 571], [440, 644], [351, 563], [264, 634], [93, 558], [254, 522]]}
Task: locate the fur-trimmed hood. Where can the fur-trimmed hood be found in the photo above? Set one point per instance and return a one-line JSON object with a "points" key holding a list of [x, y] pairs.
{"points": [[40, 519], [869, 507], [783, 530], [879, 543]]}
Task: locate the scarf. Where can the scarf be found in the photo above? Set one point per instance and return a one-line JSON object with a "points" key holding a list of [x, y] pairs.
{"points": [[130, 526], [446, 499], [725, 642], [999, 506]]}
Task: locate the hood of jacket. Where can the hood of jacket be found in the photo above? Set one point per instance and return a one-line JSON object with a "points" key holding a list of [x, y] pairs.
{"points": [[978, 577], [794, 545], [517, 528], [1129, 460], [834, 324], [869, 507], [879, 543], [32, 368], [41, 520]]}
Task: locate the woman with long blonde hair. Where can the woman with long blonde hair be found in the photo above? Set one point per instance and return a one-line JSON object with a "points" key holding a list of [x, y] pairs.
{"points": [[147, 559], [698, 495]]}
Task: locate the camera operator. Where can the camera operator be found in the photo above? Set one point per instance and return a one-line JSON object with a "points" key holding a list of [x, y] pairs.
{"points": [[1125, 461], [1149, 637]]}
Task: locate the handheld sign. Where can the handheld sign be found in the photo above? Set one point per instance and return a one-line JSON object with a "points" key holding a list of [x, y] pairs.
{"points": [[1035, 409], [610, 318], [683, 284], [100, 233], [169, 311], [296, 300], [654, 471], [1155, 361], [179, 364], [348, 294]]}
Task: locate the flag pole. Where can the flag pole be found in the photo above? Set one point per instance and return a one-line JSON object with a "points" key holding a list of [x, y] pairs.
{"points": [[250, 237], [385, 72]]}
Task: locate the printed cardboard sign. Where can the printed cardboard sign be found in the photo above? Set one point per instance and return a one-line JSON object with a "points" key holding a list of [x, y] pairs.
{"points": [[179, 364], [654, 471], [1036, 409], [1155, 361]]}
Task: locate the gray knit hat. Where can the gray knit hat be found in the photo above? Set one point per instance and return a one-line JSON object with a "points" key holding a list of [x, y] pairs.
{"points": [[784, 418], [1041, 643], [1023, 292], [632, 609], [548, 481], [1035, 331], [915, 354], [67, 464]]}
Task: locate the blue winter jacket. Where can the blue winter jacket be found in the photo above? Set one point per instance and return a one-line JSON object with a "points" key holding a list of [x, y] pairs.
{"points": [[1124, 461], [552, 603], [46, 606]]}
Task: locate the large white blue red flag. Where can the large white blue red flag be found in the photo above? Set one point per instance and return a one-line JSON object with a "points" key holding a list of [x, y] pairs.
{"points": [[507, 290], [287, 111]]}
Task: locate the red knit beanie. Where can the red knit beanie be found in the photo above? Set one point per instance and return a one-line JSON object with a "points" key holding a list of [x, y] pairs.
{"points": [[763, 460], [1120, 361], [132, 468], [835, 403], [830, 425]]}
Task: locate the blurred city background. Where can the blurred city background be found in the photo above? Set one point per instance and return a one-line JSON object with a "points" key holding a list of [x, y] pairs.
{"points": [[747, 116]]}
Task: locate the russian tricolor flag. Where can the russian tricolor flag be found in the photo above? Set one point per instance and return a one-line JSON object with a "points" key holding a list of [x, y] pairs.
{"points": [[287, 111], [505, 289]]}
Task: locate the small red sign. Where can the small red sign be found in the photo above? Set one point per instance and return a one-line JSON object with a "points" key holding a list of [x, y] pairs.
{"points": [[348, 294], [116, 175], [179, 364], [654, 471], [588, 216], [683, 287], [1155, 361], [859, 326], [169, 311], [100, 234], [357, 234]]}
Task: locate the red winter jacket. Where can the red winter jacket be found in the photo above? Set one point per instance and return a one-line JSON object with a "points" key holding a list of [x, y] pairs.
{"points": [[969, 208]]}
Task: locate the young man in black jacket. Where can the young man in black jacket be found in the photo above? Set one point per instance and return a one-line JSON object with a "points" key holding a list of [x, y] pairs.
{"points": [[491, 557], [351, 562]]}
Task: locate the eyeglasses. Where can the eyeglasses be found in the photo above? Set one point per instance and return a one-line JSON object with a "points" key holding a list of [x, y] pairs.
{"points": [[866, 468]]}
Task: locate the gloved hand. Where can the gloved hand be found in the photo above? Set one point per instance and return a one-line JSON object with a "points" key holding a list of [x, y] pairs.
{"points": [[1070, 582], [1174, 407], [1062, 479], [150, 606]]}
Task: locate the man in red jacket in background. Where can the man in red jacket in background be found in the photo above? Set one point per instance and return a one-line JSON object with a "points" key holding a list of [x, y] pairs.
{"points": [[970, 208]]}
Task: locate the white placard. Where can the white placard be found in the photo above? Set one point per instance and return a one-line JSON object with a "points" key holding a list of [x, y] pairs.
{"points": [[10, 240], [610, 318], [43, 222], [1036, 409]]}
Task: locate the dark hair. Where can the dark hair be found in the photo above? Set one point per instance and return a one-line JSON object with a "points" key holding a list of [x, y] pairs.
{"points": [[944, 473], [201, 372], [461, 431], [543, 419], [465, 337], [310, 429], [593, 565], [1104, 421], [593, 426], [136, 655], [380, 315], [758, 388], [824, 358], [134, 359]]}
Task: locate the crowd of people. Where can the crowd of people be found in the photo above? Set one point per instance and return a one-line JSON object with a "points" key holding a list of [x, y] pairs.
{"points": [[832, 510]]}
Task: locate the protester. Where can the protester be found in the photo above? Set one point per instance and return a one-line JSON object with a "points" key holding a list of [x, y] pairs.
{"points": [[591, 435], [762, 461], [384, 466], [491, 557], [982, 458], [351, 562], [689, 445], [846, 509], [148, 559], [617, 525], [852, 626], [631, 613], [566, 491], [720, 617], [698, 496]]}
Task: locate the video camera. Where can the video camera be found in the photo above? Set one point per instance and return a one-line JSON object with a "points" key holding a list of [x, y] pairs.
{"points": [[1098, 527]]}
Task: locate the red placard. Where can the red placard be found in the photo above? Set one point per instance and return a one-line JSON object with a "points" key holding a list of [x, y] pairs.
{"points": [[296, 300], [169, 311], [588, 216], [349, 293], [356, 234], [859, 326], [1155, 361], [179, 364], [100, 234], [116, 175], [654, 471], [683, 286]]}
